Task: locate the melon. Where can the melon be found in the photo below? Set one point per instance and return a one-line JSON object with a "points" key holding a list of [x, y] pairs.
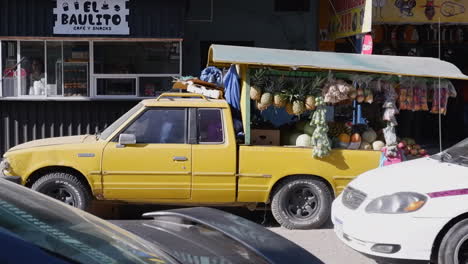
{"points": [[378, 145], [365, 146], [369, 135], [289, 137], [303, 140], [292, 138]]}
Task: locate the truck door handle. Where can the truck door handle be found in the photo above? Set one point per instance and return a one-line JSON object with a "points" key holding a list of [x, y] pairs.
{"points": [[179, 158]]}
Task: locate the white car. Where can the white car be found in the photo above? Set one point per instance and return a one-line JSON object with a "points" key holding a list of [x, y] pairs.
{"points": [[414, 210]]}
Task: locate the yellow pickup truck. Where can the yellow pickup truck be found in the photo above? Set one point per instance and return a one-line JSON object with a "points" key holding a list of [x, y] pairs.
{"points": [[181, 149]]}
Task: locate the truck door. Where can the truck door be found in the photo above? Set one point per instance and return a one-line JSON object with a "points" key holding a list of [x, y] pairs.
{"points": [[157, 166], [214, 156]]}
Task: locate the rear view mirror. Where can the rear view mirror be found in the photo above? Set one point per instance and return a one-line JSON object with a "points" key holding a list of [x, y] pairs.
{"points": [[126, 139]]}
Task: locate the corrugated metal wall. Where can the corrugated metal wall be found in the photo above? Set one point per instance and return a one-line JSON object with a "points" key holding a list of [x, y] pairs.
{"points": [[22, 121], [147, 19]]}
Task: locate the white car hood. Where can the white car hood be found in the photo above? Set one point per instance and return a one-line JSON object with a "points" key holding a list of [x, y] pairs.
{"points": [[424, 175]]}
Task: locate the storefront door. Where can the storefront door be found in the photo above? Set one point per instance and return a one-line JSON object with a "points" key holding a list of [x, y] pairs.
{"points": [[158, 166]]}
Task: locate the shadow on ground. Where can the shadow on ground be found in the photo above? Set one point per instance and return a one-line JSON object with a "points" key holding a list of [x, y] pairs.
{"points": [[119, 211]]}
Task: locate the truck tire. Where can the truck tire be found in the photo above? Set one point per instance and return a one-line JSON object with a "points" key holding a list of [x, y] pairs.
{"points": [[301, 203], [64, 187], [454, 246]]}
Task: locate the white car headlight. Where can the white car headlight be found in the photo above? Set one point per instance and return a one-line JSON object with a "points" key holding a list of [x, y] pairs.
{"points": [[397, 203]]}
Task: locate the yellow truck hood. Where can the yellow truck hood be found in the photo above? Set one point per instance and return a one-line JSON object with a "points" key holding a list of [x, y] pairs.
{"points": [[53, 141]]}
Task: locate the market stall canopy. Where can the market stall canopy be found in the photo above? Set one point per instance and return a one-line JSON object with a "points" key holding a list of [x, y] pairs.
{"points": [[299, 59]]}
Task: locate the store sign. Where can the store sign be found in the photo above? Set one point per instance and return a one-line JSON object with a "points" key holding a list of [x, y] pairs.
{"points": [[98, 17], [367, 44], [350, 17], [420, 11]]}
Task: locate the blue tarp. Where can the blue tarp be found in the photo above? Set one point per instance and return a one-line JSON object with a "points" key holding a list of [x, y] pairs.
{"points": [[232, 88], [212, 75]]}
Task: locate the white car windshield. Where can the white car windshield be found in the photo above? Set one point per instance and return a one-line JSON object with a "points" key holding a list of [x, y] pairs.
{"points": [[457, 154]]}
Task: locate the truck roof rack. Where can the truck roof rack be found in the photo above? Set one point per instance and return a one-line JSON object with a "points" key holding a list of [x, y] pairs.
{"points": [[181, 95]]}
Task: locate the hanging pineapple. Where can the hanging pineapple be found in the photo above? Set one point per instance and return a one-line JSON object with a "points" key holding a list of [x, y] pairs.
{"points": [[267, 97], [314, 89], [257, 82], [296, 95], [289, 108], [261, 106], [298, 107], [280, 99]]}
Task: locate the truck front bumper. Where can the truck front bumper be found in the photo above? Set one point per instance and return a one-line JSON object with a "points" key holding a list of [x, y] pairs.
{"points": [[3, 166]]}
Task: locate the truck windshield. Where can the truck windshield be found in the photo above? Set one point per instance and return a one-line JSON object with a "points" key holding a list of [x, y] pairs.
{"points": [[457, 154], [110, 129]]}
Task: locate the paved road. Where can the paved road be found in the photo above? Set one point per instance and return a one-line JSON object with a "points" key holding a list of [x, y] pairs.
{"points": [[322, 242], [324, 245]]}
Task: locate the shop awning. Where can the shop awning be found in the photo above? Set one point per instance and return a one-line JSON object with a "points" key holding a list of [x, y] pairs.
{"points": [[298, 59]]}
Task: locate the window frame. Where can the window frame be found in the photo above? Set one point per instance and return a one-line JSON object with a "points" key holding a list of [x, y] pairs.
{"points": [[223, 130], [96, 76], [92, 77], [186, 121]]}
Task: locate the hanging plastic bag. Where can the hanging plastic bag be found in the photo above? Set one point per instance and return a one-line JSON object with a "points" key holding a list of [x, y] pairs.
{"points": [[390, 135]]}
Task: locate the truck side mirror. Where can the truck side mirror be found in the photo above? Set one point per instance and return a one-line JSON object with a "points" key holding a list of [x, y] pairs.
{"points": [[126, 139]]}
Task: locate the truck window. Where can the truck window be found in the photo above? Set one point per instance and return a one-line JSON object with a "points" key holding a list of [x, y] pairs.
{"points": [[160, 126], [210, 126]]}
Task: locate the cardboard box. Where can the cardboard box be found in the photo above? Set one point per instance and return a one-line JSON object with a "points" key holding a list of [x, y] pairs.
{"points": [[268, 137]]}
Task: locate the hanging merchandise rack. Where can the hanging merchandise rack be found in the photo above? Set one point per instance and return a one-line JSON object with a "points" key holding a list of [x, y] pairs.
{"points": [[315, 85]]}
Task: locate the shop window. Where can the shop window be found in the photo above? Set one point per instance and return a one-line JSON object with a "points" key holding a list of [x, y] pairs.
{"points": [[75, 68], [210, 126], [9, 61], [54, 68], [33, 65], [160, 126], [292, 5], [136, 57], [152, 86], [116, 86]]}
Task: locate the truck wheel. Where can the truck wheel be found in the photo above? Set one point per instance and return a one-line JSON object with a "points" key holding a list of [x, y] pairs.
{"points": [[454, 246], [301, 203], [64, 187]]}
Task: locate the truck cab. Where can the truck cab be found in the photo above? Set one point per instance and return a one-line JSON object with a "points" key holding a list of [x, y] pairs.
{"points": [[182, 149]]}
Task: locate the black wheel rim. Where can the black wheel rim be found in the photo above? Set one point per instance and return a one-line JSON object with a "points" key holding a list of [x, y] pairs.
{"points": [[461, 251], [301, 202], [60, 192]]}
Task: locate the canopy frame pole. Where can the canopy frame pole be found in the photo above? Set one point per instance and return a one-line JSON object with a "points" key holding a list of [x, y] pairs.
{"points": [[440, 112]]}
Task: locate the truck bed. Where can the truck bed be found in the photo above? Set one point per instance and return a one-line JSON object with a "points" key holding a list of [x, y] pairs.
{"points": [[260, 167]]}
